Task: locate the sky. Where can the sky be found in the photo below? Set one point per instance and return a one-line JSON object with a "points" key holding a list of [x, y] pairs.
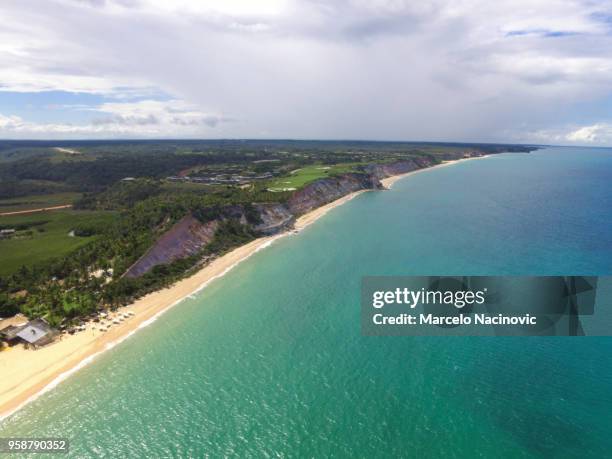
{"points": [[528, 71]]}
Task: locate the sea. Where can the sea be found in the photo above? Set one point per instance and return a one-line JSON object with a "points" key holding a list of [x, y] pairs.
{"points": [[270, 361]]}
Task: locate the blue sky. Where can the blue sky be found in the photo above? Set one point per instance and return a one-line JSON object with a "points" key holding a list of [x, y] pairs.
{"points": [[534, 71], [50, 106]]}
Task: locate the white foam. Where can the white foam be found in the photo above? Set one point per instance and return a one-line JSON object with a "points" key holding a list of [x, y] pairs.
{"points": [[86, 361]]}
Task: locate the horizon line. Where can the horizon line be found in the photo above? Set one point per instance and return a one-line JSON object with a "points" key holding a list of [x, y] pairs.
{"points": [[293, 139], [276, 139]]}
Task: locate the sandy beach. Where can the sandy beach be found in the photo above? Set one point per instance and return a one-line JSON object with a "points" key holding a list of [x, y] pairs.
{"points": [[27, 374], [389, 181]]}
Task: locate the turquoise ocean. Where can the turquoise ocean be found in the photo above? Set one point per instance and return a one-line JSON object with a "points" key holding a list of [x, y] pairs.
{"points": [[270, 361]]}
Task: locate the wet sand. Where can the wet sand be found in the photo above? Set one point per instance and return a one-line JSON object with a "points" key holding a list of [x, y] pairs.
{"points": [[27, 374]]}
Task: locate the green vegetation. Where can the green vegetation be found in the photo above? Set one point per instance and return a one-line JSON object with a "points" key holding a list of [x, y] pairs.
{"points": [[63, 264], [37, 201], [298, 178], [44, 236]]}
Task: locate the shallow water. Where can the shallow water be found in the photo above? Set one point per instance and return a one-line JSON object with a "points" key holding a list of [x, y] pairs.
{"points": [[269, 360]]}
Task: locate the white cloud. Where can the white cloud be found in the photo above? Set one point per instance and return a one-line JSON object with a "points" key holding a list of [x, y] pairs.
{"points": [[600, 133], [440, 70], [148, 118], [8, 123], [153, 112], [208, 7]]}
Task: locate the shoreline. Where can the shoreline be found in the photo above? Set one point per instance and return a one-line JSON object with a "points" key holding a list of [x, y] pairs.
{"points": [[29, 374], [389, 181]]}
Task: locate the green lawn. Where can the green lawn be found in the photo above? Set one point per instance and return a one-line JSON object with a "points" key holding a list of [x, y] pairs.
{"points": [[37, 201], [305, 175], [49, 236]]}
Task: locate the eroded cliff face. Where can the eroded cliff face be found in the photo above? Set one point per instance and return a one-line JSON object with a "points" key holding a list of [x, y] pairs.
{"points": [[187, 237], [274, 218], [381, 171], [329, 189]]}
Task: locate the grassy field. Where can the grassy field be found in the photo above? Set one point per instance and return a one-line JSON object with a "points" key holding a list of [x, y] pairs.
{"points": [[37, 201], [305, 175], [44, 235]]}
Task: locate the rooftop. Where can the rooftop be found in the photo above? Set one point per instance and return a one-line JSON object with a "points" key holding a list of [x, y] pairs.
{"points": [[10, 333], [37, 332]]}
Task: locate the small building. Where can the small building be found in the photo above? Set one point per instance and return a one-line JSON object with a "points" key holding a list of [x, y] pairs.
{"points": [[6, 233], [37, 333], [9, 334]]}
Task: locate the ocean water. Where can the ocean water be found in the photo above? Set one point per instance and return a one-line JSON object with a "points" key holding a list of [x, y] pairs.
{"points": [[270, 361]]}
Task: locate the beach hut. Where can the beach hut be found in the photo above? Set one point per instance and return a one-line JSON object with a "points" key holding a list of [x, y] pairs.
{"points": [[9, 334], [37, 333]]}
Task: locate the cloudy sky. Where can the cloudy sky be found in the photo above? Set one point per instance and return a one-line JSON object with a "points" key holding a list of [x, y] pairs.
{"points": [[457, 70]]}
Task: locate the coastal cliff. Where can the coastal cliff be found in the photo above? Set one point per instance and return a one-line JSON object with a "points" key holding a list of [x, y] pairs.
{"points": [[381, 171], [273, 218], [190, 235], [329, 189], [323, 191], [185, 238]]}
